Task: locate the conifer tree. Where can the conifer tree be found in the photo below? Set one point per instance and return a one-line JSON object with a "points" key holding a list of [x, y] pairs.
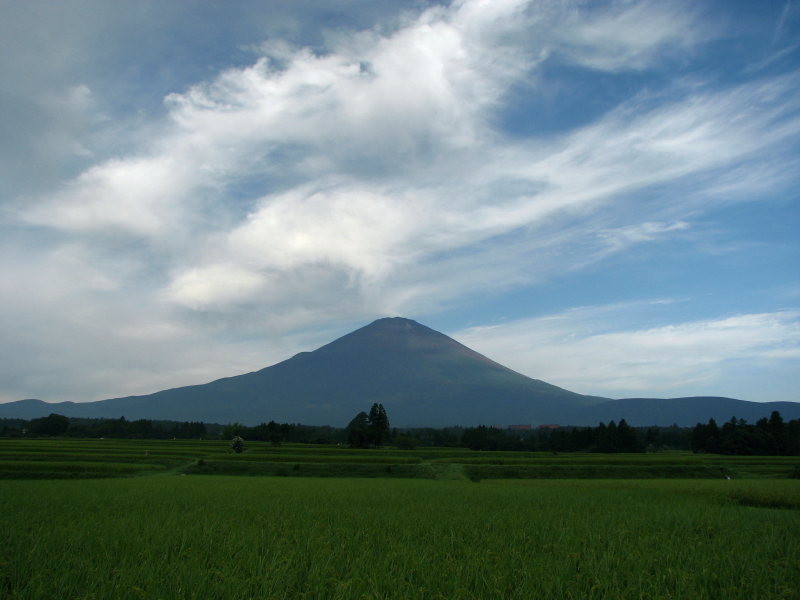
{"points": [[378, 424]]}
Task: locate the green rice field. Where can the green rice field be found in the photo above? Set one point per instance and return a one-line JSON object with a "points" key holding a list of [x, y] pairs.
{"points": [[166, 519], [50, 458]]}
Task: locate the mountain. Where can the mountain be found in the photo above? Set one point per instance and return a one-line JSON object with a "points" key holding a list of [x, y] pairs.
{"points": [[422, 377]]}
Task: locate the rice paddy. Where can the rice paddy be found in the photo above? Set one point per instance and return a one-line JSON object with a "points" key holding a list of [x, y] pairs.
{"points": [[416, 529]]}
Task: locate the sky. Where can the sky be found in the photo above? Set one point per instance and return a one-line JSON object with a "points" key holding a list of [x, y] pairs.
{"points": [[601, 195]]}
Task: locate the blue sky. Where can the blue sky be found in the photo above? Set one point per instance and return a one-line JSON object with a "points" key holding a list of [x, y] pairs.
{"points": [[602, 195]]}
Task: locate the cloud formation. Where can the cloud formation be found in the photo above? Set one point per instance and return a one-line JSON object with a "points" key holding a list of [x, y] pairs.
{"points": [[381, 173], [380, 153]]}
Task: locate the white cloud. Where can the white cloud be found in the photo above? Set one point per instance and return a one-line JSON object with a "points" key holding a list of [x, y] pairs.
{"points": [[215, 286], [629, 36], [137, 196], [349, 227], [644, 232], [593, 350]]}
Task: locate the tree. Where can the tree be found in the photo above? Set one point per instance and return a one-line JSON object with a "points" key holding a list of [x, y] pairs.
{"points": [[378, 424], [357, 431], [777, 428], [358, 438], [603, 441], [53, 425], [233, 430], [237, 444], [369, 430], [360, 421], [628, 438]]}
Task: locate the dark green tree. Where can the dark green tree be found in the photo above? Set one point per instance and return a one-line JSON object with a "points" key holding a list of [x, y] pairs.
{"points": [[233, 430], [358, 438], [628, 439], [276, 434], [778, 430], [369, 430], [378, 425], [51, 425], [358, 431], [604, 437], [360, 421]]}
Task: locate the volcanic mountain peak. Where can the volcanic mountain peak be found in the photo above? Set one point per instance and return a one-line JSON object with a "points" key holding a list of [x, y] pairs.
{"points": [[396, 335]]}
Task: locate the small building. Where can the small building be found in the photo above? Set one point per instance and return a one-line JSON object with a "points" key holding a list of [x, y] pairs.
{"points": [[519, 427], [495, 426], [549, 426]]}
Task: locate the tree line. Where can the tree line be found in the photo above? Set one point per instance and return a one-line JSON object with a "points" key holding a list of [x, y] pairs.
{"points": [[58, 425], [767, 437], [770, 436], [277, 433], [611, 438], [364, 431]]}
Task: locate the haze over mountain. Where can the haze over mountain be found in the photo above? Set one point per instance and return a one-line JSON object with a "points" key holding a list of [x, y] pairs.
{"points": [[421, 376]]}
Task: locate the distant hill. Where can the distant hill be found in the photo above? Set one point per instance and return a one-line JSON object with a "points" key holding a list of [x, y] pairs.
{"points": [[421, 376], [641, 412]]}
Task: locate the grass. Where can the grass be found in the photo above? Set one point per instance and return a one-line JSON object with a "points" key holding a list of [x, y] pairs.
{"points": [[232, 537], [576, 459], [48, 458], [63, 465], [595, 471], [352, 457], [336, 469]]}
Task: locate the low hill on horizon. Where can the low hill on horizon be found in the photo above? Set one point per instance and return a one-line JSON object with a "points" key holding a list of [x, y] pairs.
{"points": [[422, 377], [685, 412]]}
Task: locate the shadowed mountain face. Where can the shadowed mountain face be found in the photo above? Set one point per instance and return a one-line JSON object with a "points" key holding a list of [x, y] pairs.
{"points": [[422, 377]]}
